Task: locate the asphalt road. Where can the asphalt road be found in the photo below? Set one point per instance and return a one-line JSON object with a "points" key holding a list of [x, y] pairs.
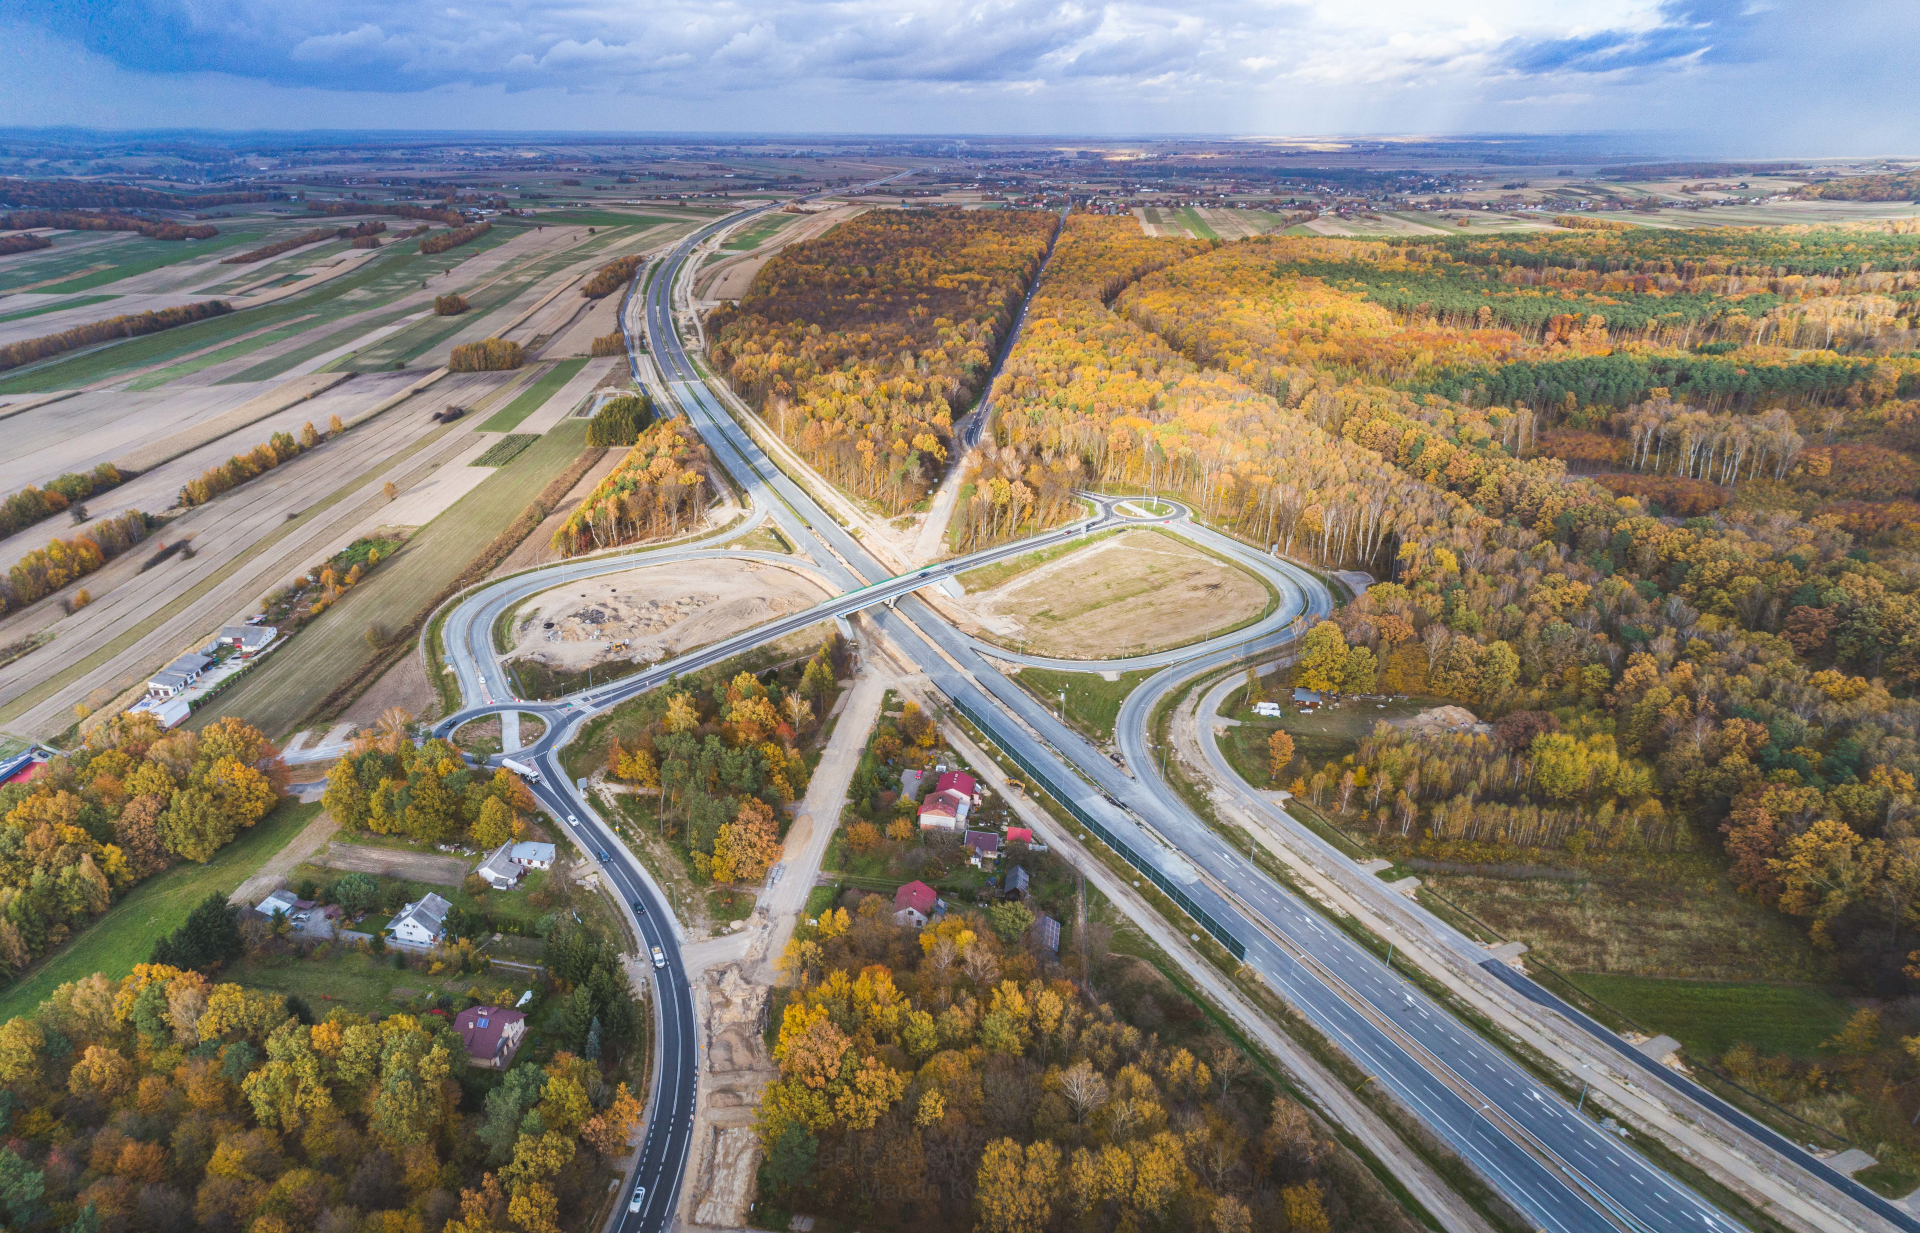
{"points": [[1559, 1167]]}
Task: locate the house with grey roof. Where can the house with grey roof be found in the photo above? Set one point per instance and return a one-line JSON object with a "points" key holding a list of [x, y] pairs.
{"points": [[422, 923]]}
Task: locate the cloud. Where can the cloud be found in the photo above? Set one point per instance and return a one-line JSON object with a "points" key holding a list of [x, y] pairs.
{"points": [[1739, 70]]}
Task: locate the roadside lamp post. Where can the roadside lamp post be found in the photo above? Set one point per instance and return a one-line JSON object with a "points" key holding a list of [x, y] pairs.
{"points": [[1582, 1103]]}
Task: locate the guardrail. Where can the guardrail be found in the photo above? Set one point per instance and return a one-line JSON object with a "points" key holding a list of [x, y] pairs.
{"points": [[1235, 946]]}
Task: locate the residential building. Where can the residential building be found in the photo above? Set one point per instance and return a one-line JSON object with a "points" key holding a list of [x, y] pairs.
{"points": [[492, 1034], [1019, 834], [422, 923], [498, 870], [1017, 883], [1047, 931], [1306, 699], [939, 812], [961, 782], [982, 846], [532, 855], [913, 904], [285, 902], [249, 640], [954, 795]]}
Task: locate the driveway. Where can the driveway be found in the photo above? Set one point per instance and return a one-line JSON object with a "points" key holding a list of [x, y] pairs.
{"points": [[413, 866]]}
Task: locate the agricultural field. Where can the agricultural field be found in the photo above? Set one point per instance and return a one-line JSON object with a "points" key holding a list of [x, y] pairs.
{"points": [[1140, 591], [282, 694]]}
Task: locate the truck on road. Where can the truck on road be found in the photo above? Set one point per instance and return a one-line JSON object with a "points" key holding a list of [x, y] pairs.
{"points": [[521, 769]]}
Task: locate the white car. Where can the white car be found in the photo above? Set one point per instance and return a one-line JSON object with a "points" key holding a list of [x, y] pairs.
{"points": [[659, 958], [573, 820], [639, 1199]]}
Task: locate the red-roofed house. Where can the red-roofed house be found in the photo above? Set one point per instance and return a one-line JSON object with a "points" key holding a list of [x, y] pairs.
{"points": [[939, 811], [961, 782], [492, 1034], [913, 904], [1019, 834]]}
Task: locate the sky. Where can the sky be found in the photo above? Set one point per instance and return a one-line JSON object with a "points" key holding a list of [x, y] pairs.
{"points": [[1755, 77]]}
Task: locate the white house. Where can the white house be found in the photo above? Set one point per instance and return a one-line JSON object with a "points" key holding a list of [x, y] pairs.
{"points": [[499, 870], [532, 855], [422, 923], [283, 901]]}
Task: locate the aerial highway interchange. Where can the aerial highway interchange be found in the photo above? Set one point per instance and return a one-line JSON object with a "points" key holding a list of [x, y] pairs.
{"points": [[1558, 1166]]}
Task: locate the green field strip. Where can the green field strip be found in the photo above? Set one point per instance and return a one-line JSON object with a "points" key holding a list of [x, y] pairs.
{"points": [[124, 935], [385, 274], [505, 450], [1197, 226], [406, 346], [756, 235], [282, 692], [140, 256], [508, 417], [81, 302], [267, 369], [277, 267]]}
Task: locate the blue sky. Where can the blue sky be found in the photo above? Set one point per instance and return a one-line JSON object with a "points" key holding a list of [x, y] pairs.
{"points": [[1763, 77]]}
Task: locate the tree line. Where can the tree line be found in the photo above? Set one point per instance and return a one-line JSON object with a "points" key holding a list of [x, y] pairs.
{"points": [[68, 220], [445, 240], [127, 325], [42, 571], [31, 504], [357, 232]]}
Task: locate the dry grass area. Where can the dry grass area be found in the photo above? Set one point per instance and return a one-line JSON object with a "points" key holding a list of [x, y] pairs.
{"points": [[654, 612], [1640, 915], [1137, 592]]}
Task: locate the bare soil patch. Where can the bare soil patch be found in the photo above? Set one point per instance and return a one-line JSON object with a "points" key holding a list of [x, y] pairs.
{"points": [[404, 685], [1137, 592], [654, 612], [414, 866]]}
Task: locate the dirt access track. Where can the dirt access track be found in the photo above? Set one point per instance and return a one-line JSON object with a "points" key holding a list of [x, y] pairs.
{"points": [[656, 611], [1137, 592]]}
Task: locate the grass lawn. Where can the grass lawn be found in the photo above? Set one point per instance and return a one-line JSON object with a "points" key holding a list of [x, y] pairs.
{"points": [[153, 909], [347, 978], [753, 236], [1093, 702], [1710, 1017], [532, 398], [279, 695]]}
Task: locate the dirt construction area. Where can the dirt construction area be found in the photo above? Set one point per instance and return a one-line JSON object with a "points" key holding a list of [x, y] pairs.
{"points": [[395, 862], [654, 612], [1135, 593]]}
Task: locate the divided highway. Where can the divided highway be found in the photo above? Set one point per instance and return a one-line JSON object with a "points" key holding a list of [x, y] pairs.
{"points": [[1560, 1168]]}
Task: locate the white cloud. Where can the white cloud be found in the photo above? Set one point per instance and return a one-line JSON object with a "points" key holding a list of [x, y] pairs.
{"points": [[1798, 76]]}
